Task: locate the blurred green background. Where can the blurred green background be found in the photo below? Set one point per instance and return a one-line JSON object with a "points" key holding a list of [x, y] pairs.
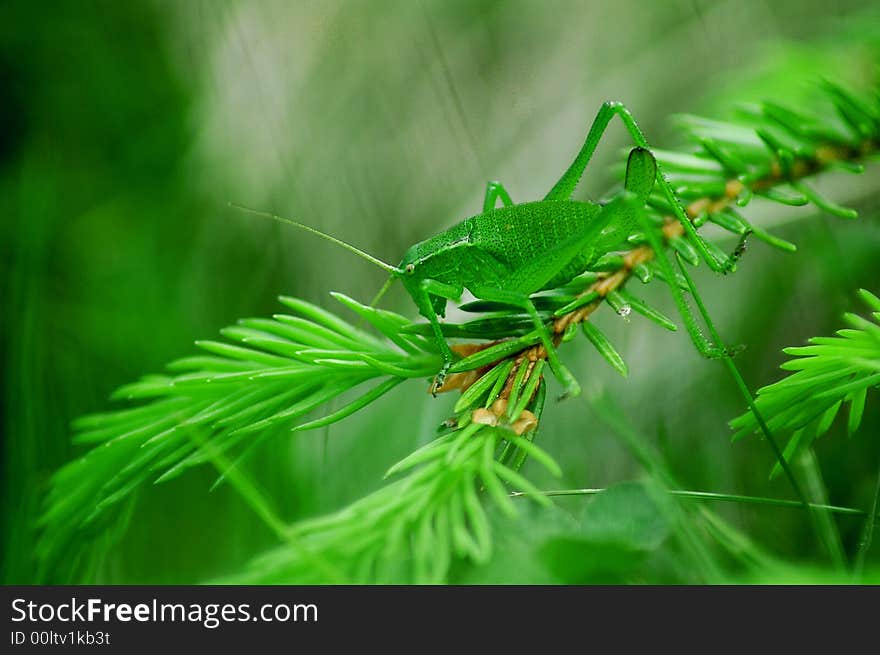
{"points": [[125, 128]]}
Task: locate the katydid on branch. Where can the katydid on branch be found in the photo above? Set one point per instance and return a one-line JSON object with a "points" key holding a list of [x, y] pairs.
{"points": [[505, 254]]}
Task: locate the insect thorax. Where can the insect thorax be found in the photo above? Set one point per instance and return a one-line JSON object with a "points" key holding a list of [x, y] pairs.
{"points": [[431, 257]]}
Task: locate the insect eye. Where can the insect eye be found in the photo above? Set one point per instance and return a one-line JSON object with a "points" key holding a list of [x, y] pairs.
{"points": [[410, 268]]}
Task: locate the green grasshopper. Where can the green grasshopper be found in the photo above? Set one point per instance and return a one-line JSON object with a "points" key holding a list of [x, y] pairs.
{"points": [[505, 254]]}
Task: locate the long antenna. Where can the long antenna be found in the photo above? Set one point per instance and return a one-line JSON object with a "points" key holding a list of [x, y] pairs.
{"points": [[382, 291], [338, 242]]}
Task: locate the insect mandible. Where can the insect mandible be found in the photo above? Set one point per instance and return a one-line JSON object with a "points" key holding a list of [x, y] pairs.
{"points": [[505, 254]]}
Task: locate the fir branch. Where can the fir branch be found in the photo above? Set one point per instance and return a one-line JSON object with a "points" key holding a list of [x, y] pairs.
{"points": [[829, 374], [412, 529], [270, 378]]}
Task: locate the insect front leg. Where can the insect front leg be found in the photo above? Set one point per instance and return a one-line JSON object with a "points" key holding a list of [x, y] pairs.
{"points": [[495, 190], [426, 289], [564, 188], [568, 381]]}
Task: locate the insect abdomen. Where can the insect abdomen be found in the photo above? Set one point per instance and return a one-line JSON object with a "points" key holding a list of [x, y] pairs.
{"points": [[520, 234]]}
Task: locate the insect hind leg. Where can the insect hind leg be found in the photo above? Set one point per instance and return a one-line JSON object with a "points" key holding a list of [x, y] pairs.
{"points": [[564, 188]]}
